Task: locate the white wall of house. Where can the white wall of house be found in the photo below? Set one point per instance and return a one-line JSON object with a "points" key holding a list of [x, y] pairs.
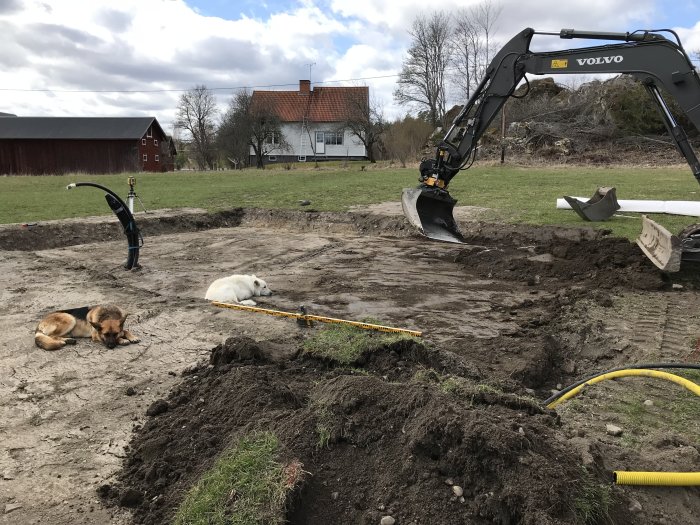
{"points": [[304, 144]]}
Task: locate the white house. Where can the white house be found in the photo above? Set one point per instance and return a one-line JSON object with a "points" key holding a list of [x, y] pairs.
{"points": [[313, 123]]}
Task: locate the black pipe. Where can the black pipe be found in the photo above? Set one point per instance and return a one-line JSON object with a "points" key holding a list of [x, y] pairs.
{"points": [[121, 210]]}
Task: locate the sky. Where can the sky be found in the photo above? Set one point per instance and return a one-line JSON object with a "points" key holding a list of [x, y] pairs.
{"points": [[137, 57]]}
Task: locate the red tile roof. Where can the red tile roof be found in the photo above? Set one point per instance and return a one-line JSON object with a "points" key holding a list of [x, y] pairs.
{"points": [[322, 104]]}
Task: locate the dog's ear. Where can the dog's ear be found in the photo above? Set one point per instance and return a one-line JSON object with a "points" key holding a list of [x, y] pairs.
{"points": [[96, 326], [121, 321], [256, 282]]}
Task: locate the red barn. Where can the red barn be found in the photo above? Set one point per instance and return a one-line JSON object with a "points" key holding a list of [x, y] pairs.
{"points": [[56, 145]]}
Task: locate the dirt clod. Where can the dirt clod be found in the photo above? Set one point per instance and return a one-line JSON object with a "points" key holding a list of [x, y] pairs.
{"points": [[157, 408]]}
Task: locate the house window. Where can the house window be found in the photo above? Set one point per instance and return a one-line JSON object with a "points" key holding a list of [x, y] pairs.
{"points": [[157, 158], [272, 158], [143, 142], [145, 157], [155, 142], [273, 139], [149, 133], [334, 138]]}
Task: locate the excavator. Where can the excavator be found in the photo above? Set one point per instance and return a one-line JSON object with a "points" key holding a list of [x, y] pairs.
{"points": [[648, 55]]}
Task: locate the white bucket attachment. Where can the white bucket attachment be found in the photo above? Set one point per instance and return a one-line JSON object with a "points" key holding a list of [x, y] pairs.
{"points": [[660, 246]]}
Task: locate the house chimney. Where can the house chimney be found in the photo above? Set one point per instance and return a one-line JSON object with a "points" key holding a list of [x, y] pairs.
{"points": [[304, 87]]}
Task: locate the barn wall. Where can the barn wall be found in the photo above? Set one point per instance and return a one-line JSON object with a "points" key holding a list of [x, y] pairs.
{"points": [[37, 157], [155, 147]]}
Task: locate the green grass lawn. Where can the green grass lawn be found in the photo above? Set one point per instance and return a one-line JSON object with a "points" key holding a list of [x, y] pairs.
{"points": [[514, 194]]}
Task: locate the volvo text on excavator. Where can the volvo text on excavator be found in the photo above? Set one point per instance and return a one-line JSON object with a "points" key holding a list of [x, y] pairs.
{"points": [[648, 55]]}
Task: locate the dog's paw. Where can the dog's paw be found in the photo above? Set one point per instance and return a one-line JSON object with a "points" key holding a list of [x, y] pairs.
{"points": [[248, 302], [127, 338], [69, 341]]}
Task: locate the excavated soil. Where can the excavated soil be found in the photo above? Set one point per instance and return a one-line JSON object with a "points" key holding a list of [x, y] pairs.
{"points": [[511, 315]]}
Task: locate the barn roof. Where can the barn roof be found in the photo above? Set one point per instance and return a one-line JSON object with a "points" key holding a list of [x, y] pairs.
{"points": [[321, 104], [76, 128]]}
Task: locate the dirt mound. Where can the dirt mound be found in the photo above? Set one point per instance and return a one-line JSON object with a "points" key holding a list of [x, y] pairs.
{"points": [[391, 447], [56, 234], [593, 260]]}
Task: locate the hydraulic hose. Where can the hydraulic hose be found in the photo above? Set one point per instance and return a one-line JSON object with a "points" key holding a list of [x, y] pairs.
{"points": [[626, 373], [121, 210], [666, 479], [551, 399]]}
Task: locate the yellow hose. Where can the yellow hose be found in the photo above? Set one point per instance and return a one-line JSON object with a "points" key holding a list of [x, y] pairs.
{"points": [[694, 388], [666, 479]]}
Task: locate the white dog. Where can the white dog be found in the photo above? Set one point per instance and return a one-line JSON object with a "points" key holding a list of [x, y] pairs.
{"points": [[237, 289]]}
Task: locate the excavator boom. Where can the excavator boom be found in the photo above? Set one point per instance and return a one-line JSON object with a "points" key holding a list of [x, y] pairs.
{"points": [[649, 56]]}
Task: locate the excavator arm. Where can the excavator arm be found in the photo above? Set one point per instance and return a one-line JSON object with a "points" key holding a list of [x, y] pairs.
{"points": [[655, 60]]}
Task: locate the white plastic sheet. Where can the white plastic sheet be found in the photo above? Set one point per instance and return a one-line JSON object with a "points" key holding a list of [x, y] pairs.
{"points": [[689, 208]]}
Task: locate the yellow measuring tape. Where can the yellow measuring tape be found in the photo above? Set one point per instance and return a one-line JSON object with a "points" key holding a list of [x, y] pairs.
{"points": [[319, 318]]}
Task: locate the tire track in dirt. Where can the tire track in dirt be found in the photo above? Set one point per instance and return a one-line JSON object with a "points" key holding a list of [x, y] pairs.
{"points": [[660, 327]]}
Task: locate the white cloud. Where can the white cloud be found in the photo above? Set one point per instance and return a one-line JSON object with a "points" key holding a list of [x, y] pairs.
{"points": [[168, 45]]}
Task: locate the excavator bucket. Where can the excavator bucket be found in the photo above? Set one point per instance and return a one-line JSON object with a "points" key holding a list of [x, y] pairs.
{"points": [[600, 207], [430, 210], [658, 244]]}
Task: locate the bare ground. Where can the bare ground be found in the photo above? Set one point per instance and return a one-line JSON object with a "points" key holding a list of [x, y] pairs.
{"points": [[515, 312]]}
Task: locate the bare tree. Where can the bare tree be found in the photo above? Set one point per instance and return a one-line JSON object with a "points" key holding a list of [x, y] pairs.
{"points": [[422, 79], [485, 15], [196, 113], [365, 119], [251, 120], [466, 47], [266, 135], [233, 136], [472, 44], [406, 138]]}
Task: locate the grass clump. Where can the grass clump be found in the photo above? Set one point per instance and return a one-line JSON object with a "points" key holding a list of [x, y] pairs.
{"points": [[346, 344], [324, 426], [247, 485], [593, 500]]}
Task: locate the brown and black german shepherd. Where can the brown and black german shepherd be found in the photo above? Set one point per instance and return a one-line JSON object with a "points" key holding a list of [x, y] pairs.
{"points": [[103, 324]]}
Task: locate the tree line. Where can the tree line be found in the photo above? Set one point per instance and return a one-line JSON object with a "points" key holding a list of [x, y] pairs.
{"points": [[447, 56]]}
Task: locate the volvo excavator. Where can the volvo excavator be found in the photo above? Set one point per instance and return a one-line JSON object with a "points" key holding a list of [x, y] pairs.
{"points": [[648, 55]]}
